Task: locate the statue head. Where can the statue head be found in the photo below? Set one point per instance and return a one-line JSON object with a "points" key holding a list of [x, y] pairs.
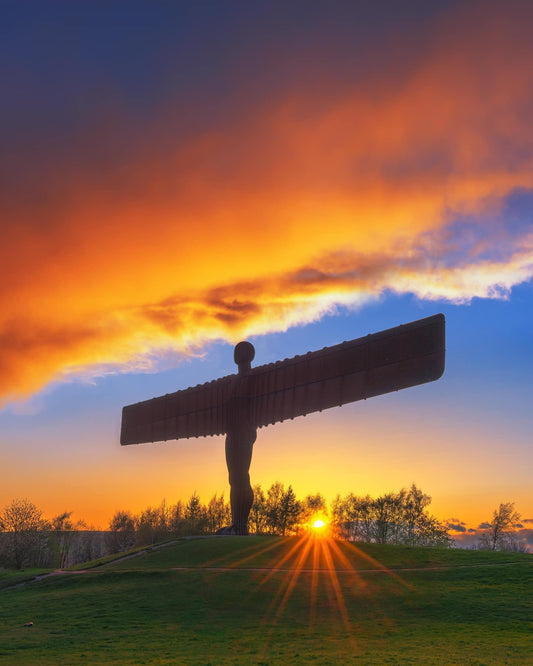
{"points": [[244, 355]]}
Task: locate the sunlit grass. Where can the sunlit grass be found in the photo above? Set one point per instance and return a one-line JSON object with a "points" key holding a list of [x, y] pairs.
{"points": [[272, 600]]}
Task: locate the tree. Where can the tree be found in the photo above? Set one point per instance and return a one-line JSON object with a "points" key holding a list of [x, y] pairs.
{"points": [[391, 518], [289, 512], [164, 519], [90, 544], [387, 518], [121, 535], [500, 534], [414, 504], [420, 528], [154, 524], [176, 517], [218, 514], [64, 535], [195, 515], [258, 513], [355, 517], [147, 527], [25, 537], [311, 506], [272, 506], [282, 509], [432, 533]]}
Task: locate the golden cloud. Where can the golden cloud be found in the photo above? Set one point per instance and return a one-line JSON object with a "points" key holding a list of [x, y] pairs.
{"points": [[295, 208]]}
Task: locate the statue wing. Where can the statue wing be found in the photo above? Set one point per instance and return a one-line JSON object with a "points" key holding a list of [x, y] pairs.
{"points": [[194, 412], [375, 364], [379, 363]]}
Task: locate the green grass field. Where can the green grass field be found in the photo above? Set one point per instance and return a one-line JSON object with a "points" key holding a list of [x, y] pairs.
{"points": [[271, 600]]}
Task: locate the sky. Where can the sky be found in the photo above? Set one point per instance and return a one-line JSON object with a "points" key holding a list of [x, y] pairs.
{"points": [[176, 177]]}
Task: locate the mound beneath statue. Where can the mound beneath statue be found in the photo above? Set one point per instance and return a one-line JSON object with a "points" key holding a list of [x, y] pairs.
{"points": [[252, 600]]}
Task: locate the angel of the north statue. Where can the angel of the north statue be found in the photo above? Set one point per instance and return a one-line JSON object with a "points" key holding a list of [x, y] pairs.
{"points": [[238, 404]]}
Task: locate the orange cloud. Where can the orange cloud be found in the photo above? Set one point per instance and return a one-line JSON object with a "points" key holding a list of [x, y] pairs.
{"points": [[293, 208]]}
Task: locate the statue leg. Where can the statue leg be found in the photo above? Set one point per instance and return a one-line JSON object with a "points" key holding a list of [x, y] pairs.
{"points": [[239, 448]]}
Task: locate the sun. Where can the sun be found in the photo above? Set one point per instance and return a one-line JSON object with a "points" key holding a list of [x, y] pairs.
{"points": [[318, 525]]}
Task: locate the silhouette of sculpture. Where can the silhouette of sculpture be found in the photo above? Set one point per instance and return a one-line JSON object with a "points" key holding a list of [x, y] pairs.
{"points": [[237, 405], [240, 438]]}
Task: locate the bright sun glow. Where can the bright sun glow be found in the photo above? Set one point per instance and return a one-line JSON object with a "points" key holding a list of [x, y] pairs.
{"points": [[318, 524]]}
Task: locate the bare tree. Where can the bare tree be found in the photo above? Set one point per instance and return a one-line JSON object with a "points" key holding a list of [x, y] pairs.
{"points": [[25, 534], [500, 534], [176, 517], [64, 535], [89, 545]]}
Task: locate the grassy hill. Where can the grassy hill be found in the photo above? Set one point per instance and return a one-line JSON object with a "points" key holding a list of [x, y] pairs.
{"points": [[271, 600]]}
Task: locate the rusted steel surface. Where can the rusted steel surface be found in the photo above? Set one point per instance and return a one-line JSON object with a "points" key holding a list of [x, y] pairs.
{"points": [[387, 361]]}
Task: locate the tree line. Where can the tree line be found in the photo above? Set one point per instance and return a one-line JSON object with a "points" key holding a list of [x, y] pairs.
{"points": [[27, 539], [398, 518], [276, 511]]}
